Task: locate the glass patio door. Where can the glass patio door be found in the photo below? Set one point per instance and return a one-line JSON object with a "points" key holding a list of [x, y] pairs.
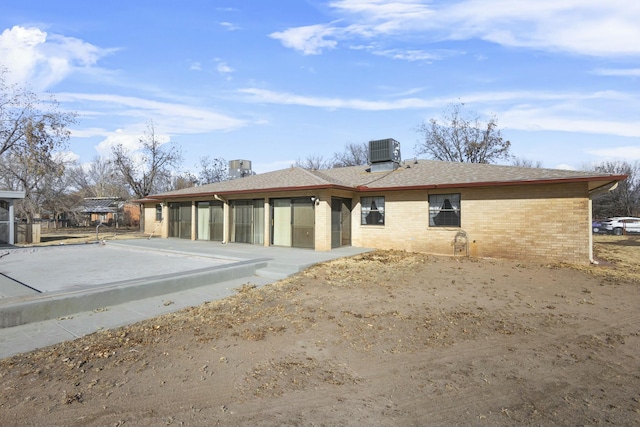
{"points": [[248, 221], [281, 222], [340, 222], [204, 221]]}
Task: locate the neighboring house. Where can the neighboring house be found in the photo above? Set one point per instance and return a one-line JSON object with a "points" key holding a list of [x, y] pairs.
{"points": [[7, 216], [420, 205], [101, 210], [131, 214]]}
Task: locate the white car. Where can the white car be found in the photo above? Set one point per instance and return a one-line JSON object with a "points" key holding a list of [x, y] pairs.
{"points": [[621, 224]]}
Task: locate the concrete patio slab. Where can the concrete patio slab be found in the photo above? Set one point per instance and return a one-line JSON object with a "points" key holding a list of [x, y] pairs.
{"points": [[53, 294]]}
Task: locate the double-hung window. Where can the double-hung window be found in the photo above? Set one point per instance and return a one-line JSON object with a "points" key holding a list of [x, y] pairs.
{"points": [[159, 212], [372, 210], [444, 210]]}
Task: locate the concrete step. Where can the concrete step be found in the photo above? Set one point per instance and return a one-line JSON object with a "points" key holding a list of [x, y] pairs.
{"points": [[21, 309], [277, 271]]}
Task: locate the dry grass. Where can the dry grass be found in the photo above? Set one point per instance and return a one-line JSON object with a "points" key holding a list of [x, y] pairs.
{"points": [[430, 340], [619, 257]]}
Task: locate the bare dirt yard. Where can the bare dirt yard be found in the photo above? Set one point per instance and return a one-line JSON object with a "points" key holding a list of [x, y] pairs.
{"points": [[386, 338]]}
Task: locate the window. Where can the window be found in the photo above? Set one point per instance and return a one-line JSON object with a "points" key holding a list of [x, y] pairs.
{"points": [[444, 210], [159, 212], [372, 210]]}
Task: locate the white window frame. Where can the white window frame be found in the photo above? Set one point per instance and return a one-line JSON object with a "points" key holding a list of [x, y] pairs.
{"points": [[372, 210]]}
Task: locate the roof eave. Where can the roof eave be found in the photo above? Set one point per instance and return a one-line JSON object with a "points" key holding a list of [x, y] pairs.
{"points": [[363, 188], [607, 179], [246, 191]]}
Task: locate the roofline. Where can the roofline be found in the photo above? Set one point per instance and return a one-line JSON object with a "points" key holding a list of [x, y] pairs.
{"points": [[251, 191], [364, 188], [13, 195], [609, 178]]}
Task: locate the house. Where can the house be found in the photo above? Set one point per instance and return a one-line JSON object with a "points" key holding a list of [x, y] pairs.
{"points": [[428, 206], [109, 211], [7, 216], [101, 210]]}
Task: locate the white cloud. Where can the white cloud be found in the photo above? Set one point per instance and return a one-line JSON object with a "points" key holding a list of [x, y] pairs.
{"points": [[89, 132], [622, 153], [42, 60], [385, 17], [586, 27], [175, 118], [309, 40], [523, 110], [542, 119], [223, 68], [262, 95], [411, 55], [129, 138], [565, 167], [66, 156], [620, 72], [229, 26]]}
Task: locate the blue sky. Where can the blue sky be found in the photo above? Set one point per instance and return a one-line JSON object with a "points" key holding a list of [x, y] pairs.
{"points": [[275, 81]]}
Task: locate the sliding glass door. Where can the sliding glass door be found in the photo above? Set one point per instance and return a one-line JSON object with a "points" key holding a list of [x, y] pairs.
{"points": [[210, 221], [248, 221], [293, 223]]}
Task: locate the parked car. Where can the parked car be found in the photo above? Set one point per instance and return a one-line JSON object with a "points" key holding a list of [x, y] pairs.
{"points": [[621, 224], [597, 228]]}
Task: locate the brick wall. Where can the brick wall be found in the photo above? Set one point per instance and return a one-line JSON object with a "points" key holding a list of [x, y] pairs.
{"points": [[531, 222]]}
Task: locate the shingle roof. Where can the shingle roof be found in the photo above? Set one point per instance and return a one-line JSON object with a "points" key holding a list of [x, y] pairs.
{"points": [[285, 178], [101, 205], [410, 174]]}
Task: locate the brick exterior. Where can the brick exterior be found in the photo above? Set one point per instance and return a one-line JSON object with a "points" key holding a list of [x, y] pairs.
{"points": [[532, 222], [530, 214], [529, 222]]}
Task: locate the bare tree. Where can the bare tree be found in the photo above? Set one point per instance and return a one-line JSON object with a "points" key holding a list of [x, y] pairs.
{"points": [[625, 199], [34, 172], [525, 163], [353, 155], [313, 162], [97, 179], [149, 171], [212, 170], [28, 122], [32, 132], [185, 180], [463, 137], [57, 195]]}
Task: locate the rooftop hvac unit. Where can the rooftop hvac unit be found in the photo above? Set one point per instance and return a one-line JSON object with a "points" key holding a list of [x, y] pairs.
{"points": [[384, 150], [239, 168]]}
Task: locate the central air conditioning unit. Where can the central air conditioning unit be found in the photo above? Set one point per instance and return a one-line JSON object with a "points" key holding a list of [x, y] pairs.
{"points": [[240, 169], [384, 154]]}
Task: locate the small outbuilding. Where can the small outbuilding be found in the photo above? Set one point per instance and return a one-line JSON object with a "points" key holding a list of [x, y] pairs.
{"points": [[480, 210]]}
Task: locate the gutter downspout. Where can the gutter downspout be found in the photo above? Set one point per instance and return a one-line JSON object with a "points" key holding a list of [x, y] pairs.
{"points": [[592, 193]]}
